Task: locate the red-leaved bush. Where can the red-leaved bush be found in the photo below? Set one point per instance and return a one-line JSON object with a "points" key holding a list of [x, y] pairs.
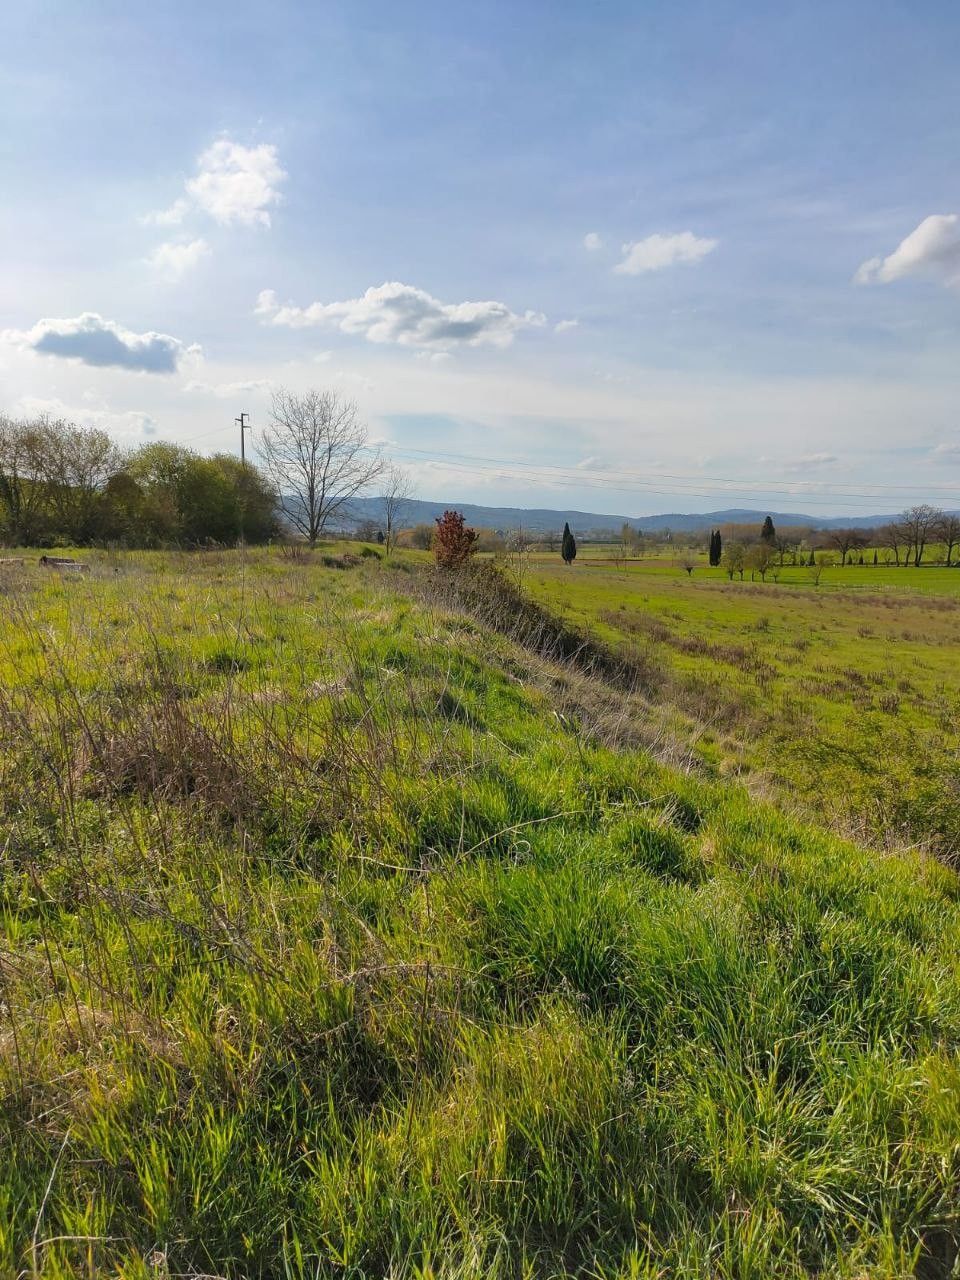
{"points": [[453, 542]]}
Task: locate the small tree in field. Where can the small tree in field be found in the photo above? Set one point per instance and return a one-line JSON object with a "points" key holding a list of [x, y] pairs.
{"points": [[519, 549], [733, 559], [568, 546], [689, 562], [453, 542], [397, 492], [759, 559], [846, 540]]}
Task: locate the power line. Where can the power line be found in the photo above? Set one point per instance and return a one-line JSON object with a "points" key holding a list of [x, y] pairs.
{"points": [[749, 490], [866, 490]]}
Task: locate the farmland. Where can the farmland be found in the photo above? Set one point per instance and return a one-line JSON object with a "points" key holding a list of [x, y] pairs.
{"points": [[842, 698], [344, 935]]}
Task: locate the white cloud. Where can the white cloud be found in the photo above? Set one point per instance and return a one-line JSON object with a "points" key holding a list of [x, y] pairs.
{"points": [[171, 217], [592, 241], [657, 251], [433, 357], [564, 326], [237, 183], [102, 343], [173, 259], [233, 184], [399, 313], [951, 452], [130, 424], [932, 249], [228, 390], [810, 462]]}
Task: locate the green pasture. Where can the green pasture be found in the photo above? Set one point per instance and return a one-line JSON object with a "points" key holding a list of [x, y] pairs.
{"points": [[844, 696]]}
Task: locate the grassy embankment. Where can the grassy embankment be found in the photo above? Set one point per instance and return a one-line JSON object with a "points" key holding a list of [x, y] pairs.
{"points": [[842, 697], [341, 936]]}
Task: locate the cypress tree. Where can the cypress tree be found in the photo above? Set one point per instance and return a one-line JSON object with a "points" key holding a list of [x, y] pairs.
{"points": [[717, 548], [768, 533], [568, 546], [874, 557]]}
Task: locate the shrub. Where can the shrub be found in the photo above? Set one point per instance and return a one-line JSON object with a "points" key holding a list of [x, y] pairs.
{"points": [[453, 542]]}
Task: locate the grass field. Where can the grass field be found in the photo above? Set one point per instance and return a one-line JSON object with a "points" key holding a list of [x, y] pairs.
{"points": [[842, 697], [341, 935]]}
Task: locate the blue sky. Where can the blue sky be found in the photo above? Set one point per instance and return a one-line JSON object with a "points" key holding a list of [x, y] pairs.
{"points": [[626, 257]]}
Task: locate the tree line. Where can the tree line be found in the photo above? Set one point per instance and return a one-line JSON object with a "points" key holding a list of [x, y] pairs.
{"points": [[66, 484], [908, 540], [61, 483]]}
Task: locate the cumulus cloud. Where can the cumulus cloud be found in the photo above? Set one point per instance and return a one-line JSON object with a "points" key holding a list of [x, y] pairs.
{"points": [[931, 250], [564, 326], [173, 259], [233, 184], [237, 183], [102, 343], [410, 317], [657, 251], [592, 241]]}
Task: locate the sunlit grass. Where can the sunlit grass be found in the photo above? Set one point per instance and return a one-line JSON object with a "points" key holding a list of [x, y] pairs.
{"points": [[337, 941], [845, 700]]}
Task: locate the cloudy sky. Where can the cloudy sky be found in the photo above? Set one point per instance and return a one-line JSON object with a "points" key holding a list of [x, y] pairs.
{"points": [[630, 257]]}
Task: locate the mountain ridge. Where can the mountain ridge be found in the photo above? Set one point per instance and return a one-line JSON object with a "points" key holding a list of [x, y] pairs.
{"points": [[547, 519]]}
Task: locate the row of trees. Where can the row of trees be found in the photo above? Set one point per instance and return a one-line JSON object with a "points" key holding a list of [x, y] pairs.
{"points": [[63, 483], [908, 539]]}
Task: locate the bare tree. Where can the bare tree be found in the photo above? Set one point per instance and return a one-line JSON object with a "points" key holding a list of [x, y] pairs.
{"points": [[316, 453], [948, 531], [892, 537], [519, 552], [784, 544], [845, 541], [397, 493], [919, 524]]}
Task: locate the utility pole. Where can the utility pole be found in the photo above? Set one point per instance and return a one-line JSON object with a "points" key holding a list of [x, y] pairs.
{"points": [[244, 426]]}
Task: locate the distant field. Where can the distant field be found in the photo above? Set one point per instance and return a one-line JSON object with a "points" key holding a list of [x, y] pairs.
{"points": [[845, 697]]}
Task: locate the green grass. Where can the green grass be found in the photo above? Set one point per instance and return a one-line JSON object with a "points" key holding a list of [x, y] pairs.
{"points": [[843, 699], [341, 936]]}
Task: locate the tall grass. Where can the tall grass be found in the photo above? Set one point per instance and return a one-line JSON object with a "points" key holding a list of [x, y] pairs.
{"points": [[329, 948]]}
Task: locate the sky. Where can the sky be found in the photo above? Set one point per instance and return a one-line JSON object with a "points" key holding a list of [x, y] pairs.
{"points": [[623, 257]]}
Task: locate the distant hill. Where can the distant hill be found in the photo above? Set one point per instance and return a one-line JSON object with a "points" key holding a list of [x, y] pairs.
{"points": [[545, 520]]}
